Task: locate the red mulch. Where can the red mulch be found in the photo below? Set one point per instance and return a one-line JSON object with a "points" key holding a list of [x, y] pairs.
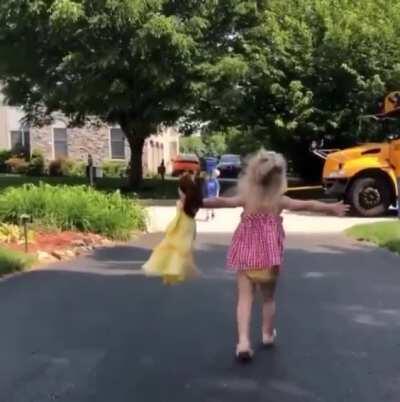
{"points": [[51, 241]]}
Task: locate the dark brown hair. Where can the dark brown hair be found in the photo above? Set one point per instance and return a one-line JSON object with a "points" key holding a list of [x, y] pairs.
{"points": [[192, 188]]}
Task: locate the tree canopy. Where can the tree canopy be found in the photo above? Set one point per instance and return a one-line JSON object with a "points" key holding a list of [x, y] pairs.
{"points": [[281, 73], [301, 70], [129, 62]]}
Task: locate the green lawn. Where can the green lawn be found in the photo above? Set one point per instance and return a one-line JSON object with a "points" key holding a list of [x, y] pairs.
{"points": [[151, 188], [384, 234], [11, 261]]}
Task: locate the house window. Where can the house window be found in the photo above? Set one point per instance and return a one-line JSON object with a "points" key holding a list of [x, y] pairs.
{"points": [[60, 143], [20, 141], [117, 144]]}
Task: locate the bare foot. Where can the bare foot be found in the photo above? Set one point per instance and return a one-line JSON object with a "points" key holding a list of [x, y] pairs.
{"points": [[269, 339], [244, 354]]}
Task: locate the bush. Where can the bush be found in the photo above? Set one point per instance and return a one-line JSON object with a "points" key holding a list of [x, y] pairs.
{"points": [[13, 234], [4, 157], [73, 208], [56, 167], [114, 169], [17, 165], [36, 164], [66, 167], [76, 169], [12, 261]]}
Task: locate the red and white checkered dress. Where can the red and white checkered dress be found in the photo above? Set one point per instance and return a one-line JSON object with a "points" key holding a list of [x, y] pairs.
{"points": [[257, 243]]}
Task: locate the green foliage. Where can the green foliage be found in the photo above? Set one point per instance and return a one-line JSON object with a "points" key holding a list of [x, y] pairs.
{"points": [[216, 143], [213, 143], [192, 145], [114, 169], [76, 169], [13, 234], [73, 208], [130, 62], [12, 261], [66, 167], [36, 164], [5, 155], [384, 234], [301, 70], [283, 73]]}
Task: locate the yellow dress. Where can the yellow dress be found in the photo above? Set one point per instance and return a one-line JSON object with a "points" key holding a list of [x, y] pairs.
{"points": [[173, 258]]}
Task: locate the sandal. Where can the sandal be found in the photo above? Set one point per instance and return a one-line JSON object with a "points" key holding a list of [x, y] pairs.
{"points": [[270, 341]]}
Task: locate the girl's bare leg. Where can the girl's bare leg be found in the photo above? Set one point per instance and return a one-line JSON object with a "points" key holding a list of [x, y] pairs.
{"points": [[244, 305], [268, 310]]}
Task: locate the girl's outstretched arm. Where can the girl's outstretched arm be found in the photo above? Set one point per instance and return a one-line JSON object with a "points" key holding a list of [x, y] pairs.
{"points": [[223, 202], [338, 208]]}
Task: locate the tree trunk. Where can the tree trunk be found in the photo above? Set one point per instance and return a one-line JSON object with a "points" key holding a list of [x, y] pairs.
{"points": [[136, 132], [135, 176]]}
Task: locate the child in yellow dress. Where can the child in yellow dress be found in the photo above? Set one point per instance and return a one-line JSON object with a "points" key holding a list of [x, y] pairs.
{"points": [[172, 259]]}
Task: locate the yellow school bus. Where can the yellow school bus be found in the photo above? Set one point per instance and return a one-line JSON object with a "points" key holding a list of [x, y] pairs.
{"points": [[366, 176]]}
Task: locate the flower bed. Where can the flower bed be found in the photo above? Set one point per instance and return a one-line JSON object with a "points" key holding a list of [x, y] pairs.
{"points": [[77, 208]]}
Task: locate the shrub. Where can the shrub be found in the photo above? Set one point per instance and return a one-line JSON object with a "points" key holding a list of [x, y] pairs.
{"points": [[66, 167], [114, 168], [76, 169], [36, 164], [13, 234], [56, 167], [12, 261], [73, 208], [4, 157], [17, 165]]}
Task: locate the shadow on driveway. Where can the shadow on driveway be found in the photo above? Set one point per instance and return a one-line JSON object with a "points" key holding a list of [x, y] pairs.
{"points": [[93, 331]]}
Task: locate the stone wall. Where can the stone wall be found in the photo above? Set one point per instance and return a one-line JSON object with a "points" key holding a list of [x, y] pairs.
{"points": [[89, 140], [81, 142], [42, 140], [95, 140]]}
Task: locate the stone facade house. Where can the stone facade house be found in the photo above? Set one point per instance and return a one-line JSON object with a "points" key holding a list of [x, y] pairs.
{"points": [[104, 143]]}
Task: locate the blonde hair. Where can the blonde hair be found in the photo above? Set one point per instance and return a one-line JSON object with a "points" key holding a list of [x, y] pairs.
{"points": [[264, 179]]}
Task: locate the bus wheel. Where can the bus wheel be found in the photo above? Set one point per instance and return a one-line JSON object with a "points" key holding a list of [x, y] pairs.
{"points": [[369, 196]]}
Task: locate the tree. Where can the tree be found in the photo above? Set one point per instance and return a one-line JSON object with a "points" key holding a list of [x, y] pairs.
{"points": [[129, 62], [292, 72], [208, 144], [192, 145], [215, 143]]}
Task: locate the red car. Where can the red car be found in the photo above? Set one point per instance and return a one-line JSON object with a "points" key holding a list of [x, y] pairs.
{"points": [[185, 163]]}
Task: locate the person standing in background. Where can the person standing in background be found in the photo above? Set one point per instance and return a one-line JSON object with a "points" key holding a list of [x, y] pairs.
{"points": [[161, 170], [211, 189]]}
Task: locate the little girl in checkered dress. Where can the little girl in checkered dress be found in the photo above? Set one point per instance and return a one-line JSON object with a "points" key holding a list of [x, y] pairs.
{"points": [[256, 251]]}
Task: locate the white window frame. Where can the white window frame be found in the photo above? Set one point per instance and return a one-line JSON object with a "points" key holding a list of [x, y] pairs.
{"points": [[110, 156], [22, 131], [53, 141], [19, 131]]}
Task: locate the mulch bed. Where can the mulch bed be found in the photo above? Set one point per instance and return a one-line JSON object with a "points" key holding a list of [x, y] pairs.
{"points": [[50, 241]]}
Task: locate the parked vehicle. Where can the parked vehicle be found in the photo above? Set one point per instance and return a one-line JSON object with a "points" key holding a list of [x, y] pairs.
{"points": [[185, 163], [366, 176], [229, 166], [208, 164]]}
